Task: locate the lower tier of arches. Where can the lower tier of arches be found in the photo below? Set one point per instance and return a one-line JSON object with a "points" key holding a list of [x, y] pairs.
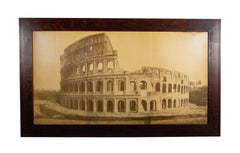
{"points": [[123, 105]]}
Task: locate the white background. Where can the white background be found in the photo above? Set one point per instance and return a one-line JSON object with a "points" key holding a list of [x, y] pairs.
{"points": [[10, 11]]}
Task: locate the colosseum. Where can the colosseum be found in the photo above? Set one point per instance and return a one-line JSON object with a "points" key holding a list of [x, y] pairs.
{"points": [[93, 84]]}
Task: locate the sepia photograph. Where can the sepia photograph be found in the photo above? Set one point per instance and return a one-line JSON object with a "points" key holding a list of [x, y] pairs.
{"points": [[112, 77]]}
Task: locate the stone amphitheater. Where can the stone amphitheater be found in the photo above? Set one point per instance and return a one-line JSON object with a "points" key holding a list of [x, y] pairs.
{"points": [[93, 84]]}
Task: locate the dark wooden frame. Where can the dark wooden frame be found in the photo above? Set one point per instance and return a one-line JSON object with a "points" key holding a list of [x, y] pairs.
{"points": [[28, 25]]}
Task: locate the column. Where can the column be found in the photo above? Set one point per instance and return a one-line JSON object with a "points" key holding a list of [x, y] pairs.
{"points": [[127, 84], [115, 105], [159, 105], [94, 86], [114, 64], [139, 105], [104, 105], [94, 105], [167, 88], [115, 85], [104, 66], [166, 103], [104, 86], [148, 106], [127, 104], [86, 88], [78, 104], [94, 66], [137, 85], [85, 101], [86, 68]]}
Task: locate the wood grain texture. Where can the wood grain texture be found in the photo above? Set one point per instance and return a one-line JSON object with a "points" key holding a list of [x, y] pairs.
{"points": [[28, 25]]}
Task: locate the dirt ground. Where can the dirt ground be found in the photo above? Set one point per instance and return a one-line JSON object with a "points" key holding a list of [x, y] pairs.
{"points": [[46, 112]]}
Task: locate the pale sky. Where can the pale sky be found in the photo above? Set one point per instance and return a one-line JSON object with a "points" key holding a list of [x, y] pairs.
{"points": [[180, 51]]}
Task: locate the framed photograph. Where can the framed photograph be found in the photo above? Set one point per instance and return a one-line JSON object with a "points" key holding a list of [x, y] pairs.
{"points": [[119, 77]]}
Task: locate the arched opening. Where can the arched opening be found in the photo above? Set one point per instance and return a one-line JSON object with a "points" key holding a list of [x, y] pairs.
{"points": [[143, 85], [121, 86], [164, 79], [152, 105], [99, 106], [75, 87], [181, 102], [75, 104], [144, 105], [99, 87], [90, 106], [82, 87], [91, 47], [89, 86], [77, 70], [175, 103], [164, 88], [83, 68], [169, 88], [133, 106], [174, 88], [110, 66], [82, 105], [164, 104], [121, 106], [179, 88], [169, 103], [109, 86], [157, 88], [90, 67], [100, 67], [133, 85], [110, 106]]}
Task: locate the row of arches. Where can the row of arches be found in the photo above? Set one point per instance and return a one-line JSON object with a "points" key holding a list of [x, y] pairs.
{"points": [[88, 87], [89, 67], [89, 105], [170, 88], [120, 105]]}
